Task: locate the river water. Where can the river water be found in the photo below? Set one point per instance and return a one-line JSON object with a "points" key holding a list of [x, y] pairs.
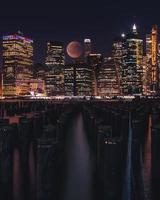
{"points": [[78, 174], [79, 171], [127, 189]]}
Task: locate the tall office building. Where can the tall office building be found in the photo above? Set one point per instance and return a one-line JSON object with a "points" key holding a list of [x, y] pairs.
{"points": [[118, 53], [87, 47], [159, 65], [132, 71], [17, 62], [148, 64], [1, 84], [78, 79], [145, 77], [108, 79], [95, 62], [54, 75], [152, 60], [154, 54]]}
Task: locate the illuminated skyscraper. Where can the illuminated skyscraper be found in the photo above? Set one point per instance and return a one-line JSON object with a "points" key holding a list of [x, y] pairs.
{"points": [[145, 76], [152, 60], [95, 62], [54, 76], [17, 62], [154, 51], [1, 84], [148, 64], [55, 54], [118, 53], [87, 47], [108, 79], [132, 71], [78, 79], [159, 66]]}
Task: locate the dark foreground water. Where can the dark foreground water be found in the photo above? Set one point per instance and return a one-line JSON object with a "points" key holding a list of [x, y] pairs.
{"points": [[78, 170], [79, 167]]}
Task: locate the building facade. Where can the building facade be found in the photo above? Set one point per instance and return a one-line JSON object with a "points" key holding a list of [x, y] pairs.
{"points": [[95, 62], [1, 84], [108, 79], [78, 79], [132, 70], [118, 53], [87, 47], [152, 61], [17, 63], [54, 75]]}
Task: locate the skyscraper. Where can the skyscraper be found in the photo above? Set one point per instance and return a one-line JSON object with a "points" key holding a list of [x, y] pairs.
{"points": [[78, 79], [55, 54], [118, 53], [107, 78], [54, 76], [94, 60], [145, 77], [152, 60], [87, 47], [1, 84], [132, 71], [17, 62]]}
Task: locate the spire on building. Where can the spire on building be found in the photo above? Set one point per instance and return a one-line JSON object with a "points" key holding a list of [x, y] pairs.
{"points": [[134, 28]]}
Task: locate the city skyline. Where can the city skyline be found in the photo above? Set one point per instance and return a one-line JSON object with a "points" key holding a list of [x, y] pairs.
{"points": [[128, 71], [95, 48], [99, 21]]}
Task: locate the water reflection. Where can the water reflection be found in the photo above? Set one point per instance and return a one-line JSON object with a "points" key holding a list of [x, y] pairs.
{"points": [[19, 178], [79, 181], [147, 163], [32, 174], [79, 166], [128, 173]]}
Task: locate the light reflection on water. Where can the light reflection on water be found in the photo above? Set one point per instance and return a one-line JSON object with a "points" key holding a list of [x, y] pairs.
{"points": [[79, 164], [147, 164], [79, 167]]}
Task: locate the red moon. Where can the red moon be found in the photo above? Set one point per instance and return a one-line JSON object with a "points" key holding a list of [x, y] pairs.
{"points": [[74, 49]]}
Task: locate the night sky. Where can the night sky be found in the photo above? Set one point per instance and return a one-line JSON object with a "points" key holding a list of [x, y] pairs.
{"points": [[75, 20]]}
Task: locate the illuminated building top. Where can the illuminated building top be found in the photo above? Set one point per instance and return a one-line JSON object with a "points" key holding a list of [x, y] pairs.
{"points": [[134, 28], [87, 40], [55, 54], [17, 37]]}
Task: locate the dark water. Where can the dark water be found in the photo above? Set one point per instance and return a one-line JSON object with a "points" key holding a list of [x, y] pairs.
{"points": [[128, 171], [78, 172], [79, 176], [19, 177], [147, 164]]}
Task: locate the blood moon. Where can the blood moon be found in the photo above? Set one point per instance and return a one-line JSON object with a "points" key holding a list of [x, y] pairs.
{"points": [[74, 49]]}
